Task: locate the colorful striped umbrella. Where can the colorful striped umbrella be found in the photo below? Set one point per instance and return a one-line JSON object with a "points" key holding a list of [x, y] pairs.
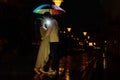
{"points": [[51, 8]]}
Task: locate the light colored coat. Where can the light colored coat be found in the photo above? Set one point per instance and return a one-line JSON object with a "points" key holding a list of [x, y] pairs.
{"points": [[52, 31], [44, 50]]}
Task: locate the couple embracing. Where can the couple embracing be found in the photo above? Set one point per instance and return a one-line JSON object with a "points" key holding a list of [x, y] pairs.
{"points": [[48, 53]]}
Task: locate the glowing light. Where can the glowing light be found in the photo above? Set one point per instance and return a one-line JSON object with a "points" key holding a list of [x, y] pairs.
{"points": [[94, 43], [87, 41], [64, 32], [84, 33], [57, 2], [80, 43], [90, 44], [47, 23], [67, 75], [104, 62], [69, 29], [71, 35], [77, 38], [88, 37], [60, 31]]}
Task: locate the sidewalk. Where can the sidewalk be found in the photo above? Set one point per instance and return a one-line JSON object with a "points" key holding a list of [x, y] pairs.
{"points": [[80, 66]]}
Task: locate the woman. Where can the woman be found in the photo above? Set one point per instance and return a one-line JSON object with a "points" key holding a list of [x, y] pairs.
{"points": [[43, 52]]}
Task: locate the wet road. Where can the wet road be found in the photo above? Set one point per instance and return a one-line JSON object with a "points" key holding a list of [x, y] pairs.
{"points": [[75, 65]]}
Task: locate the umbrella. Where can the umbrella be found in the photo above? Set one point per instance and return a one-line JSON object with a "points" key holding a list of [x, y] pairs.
{"points": [[51, 8]]}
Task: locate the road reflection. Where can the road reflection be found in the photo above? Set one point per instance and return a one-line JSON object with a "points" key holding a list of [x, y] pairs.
{"points": [[69, 65]]}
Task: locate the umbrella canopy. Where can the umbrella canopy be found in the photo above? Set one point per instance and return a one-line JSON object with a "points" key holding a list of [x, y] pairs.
{"points": [[51, 8]]}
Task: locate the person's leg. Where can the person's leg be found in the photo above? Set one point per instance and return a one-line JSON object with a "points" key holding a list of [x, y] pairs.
{"points": [[42, 70], [55, 56], [39, 70]]}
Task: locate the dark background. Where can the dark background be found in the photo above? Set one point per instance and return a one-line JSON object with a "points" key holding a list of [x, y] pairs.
{"points": [[84, 14], [99, 17]]}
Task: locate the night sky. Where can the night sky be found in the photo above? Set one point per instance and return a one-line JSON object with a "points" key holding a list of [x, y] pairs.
{"points": [[98, 17], [78, 13], [82, 15]]}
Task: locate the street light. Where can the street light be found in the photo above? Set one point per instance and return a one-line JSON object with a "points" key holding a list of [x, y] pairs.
{"points": [[68, 29], [88, 37], [57, 2], [84, 42], [90, 43], [84, 33]]}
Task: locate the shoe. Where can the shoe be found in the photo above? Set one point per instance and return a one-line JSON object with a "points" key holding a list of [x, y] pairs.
{"points": [[36, 70], [54, 72], [51, 72], [42, 71]]}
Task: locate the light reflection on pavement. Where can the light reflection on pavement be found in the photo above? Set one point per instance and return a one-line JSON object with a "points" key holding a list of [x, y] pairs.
{"points": [[83, 66], [69, 65]]}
